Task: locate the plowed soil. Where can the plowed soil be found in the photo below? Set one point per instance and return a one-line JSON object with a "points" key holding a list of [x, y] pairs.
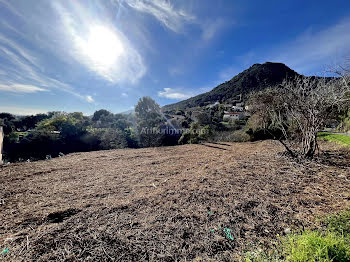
{"points": [[205, 202]]}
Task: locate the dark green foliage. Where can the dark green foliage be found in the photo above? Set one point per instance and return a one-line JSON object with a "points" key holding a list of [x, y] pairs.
{"points": [[149, 122], [110, 138], [36, 145], [263, 134], [8, 123], [102, 113], [131, 137], [29, 122], [57, 132], [180, 113], [339, 223], [204, 118], [196, 134]]}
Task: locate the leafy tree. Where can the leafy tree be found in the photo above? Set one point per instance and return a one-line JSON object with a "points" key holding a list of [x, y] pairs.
{"points": [[8, 122], [111, 138], [69, 125], [149, 120], [99, 113], [196, 134], [131, 137], [204, 118], [29, 122]]}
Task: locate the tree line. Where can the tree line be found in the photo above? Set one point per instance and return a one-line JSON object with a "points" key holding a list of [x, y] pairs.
{"points": [[293, 113]]}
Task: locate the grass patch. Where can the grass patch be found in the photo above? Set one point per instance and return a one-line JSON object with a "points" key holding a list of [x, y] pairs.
{"points": [[330, 243], [316, 246], [342, 139]]}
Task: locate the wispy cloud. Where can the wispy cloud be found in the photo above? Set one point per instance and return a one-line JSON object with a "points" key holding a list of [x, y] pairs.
{"points": [[211, 28], [164, 11], [23, 75], [12, 9], [22, 110], [313, 49], [89, 99], [18, 88], [125, 95], [23, 71], [176, 94]]}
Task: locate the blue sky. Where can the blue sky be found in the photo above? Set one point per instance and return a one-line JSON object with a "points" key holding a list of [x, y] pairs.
{"points": [[71, 55]]}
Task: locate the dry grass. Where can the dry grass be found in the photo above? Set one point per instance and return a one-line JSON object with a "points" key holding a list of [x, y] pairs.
{"points": [[164, 204]]}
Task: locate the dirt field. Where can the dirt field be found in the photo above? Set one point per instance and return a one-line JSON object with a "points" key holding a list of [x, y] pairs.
{"points": [[193, 202]]}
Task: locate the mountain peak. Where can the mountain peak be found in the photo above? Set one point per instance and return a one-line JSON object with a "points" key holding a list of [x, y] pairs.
{"points": [[255, 78]]}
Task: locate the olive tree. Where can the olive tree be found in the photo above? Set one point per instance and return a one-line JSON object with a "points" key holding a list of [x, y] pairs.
{"points": [[299, 108]]}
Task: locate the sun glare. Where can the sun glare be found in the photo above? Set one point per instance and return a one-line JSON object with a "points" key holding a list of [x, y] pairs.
{"points": [[103, 46]]}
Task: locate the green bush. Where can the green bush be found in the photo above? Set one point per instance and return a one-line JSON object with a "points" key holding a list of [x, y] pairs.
{"points": [[339, 223], [340, 139], [330, 243], [317, 246]]}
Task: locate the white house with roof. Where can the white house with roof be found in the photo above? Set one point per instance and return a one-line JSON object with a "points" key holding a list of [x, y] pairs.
{"points": [[237, 108], [233, 116]]}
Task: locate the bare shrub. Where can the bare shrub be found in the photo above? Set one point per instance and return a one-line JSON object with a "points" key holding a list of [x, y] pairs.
{"points": [[300, 108]]}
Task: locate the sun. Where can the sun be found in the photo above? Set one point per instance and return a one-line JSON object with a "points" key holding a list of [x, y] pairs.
{"points": [[103, 46]]}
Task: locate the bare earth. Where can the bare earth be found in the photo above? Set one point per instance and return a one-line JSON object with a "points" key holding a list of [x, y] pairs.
{"points": [[193, 202]]}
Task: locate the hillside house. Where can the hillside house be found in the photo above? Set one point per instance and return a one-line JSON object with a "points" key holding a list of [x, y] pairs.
{"points": [[237, 108], [1, 140], [233, 116]]}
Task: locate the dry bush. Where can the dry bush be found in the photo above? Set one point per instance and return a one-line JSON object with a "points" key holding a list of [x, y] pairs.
{"points": [[299, 109]]}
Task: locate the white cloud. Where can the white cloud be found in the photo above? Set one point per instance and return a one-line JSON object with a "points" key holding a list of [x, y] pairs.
{"points": [[174, 19], [24, 71], [90, 99], [174, 94], [22, 52], [22, 110], [124, 94], [19, 88], [11, 8]]}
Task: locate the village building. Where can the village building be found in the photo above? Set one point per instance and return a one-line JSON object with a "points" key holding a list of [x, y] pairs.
{"points": [[237, 108], [233, 116]]}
